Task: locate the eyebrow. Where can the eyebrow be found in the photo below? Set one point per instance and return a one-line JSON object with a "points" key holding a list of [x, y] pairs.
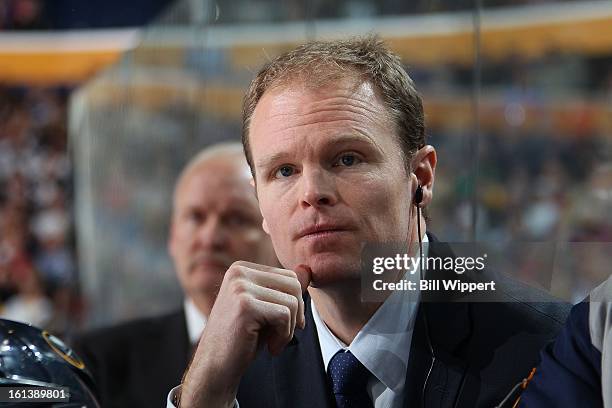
{"points": [[343, 139], [268, 160]]}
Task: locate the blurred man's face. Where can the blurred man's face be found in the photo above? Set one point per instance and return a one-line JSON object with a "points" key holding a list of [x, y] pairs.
{"points": [[216, 221], [330, 176]]}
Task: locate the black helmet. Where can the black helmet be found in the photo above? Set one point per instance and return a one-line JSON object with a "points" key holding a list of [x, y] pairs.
{"points": [[30, 357]]}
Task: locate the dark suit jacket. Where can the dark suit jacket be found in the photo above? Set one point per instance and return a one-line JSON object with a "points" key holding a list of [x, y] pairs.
{"points": [[569, 373], [482, 350], [135, 364]]}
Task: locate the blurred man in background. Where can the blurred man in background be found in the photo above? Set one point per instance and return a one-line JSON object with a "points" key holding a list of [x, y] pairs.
{"points": [[215, 221]]}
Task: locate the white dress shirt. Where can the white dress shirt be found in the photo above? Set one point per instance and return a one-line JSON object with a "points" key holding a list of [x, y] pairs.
{"points": [[382, 345], [196, 321]]}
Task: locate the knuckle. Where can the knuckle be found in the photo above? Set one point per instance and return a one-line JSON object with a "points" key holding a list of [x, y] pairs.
{"points": [[285, 315], [243, 302], [297, 287], [239, 287], [235, 271], [293, 303]]}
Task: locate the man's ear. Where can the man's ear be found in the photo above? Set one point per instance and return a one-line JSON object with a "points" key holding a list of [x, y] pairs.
{"points": [[264, 225], [424, 167], [252, 181]]}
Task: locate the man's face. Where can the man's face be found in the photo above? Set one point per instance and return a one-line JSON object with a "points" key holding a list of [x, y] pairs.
{"points": [[215, 222], [330, 176]]}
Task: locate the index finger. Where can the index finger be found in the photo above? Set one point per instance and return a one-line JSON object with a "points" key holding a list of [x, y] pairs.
{"points": [[265, 268], [303, 273]]}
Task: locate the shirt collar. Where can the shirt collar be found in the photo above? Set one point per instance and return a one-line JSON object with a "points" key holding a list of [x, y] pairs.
{"points": [[195, 321], [383, 344]]}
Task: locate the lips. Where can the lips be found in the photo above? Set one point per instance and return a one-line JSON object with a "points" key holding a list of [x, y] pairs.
{"points": [[322, 230], [210, 261]]}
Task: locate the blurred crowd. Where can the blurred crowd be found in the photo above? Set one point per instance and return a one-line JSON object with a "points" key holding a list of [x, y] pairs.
{"points": [[23, 15], [544, 171], [70, 14], [37, 260]]}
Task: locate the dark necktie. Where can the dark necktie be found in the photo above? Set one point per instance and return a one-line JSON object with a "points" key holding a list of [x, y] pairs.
{"points": [[349, 379]]}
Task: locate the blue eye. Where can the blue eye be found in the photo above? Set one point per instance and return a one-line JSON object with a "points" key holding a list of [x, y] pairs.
{"points": [[284, 171], [348, 160]]}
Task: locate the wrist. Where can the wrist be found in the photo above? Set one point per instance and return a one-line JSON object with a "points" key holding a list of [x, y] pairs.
{"points": [[203, 398], [205, 386]]}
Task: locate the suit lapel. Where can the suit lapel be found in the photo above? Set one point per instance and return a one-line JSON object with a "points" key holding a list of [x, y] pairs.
{"points": [[299, 375], [441, 387], [447, 324]]}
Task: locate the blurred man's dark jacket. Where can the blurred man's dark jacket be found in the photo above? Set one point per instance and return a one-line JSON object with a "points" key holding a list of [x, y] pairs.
{"points": [[136, 363]]}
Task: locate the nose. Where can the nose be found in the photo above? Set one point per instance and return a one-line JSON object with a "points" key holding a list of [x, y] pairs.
{"points": [[318, 189], [211, 234]]}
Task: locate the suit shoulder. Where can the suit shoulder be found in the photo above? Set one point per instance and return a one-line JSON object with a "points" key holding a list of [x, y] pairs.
{"points": [[534, 305], [126, 332], [507, 336], [538, 317], [517, 324]]}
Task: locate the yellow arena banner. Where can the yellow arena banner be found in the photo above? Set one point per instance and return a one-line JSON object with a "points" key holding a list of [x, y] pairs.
{"points": [[49, 58], [583, 28]]}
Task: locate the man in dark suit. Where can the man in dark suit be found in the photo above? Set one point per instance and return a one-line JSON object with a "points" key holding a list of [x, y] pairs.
{"points": [[334, 134], [215, 221]]}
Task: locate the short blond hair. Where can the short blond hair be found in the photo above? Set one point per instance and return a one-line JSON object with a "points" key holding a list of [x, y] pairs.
{"points": [[318, 63]]}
